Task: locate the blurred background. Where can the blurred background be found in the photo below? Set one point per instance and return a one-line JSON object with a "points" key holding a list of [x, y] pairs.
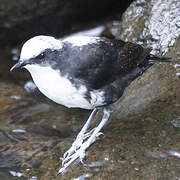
{"points": [[142, 139]]}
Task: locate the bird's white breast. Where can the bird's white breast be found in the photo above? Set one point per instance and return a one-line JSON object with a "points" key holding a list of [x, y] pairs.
{"points": [[57, 88]]}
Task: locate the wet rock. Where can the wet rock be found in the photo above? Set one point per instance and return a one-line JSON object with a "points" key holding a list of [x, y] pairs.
{"points": [[3, 140], [7, 103], [10, 166], [46, 130], [151, 23], [22, 114], [10, 160], [34, 163], [21, 19]]}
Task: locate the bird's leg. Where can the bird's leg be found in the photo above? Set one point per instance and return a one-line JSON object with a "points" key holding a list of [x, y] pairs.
{"points": [[81, 136], [79, 154], [95, 134]]}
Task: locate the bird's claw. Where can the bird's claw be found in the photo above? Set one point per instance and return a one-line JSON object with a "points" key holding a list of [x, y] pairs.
{"points": [[77, 151], [78, 142], [75, 146]]}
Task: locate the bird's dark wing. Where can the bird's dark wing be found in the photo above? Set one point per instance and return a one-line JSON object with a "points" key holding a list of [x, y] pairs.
{"points": [[104, 62], [107, 66]]}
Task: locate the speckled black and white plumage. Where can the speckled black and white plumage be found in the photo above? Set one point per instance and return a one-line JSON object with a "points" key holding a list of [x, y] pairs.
{"points": [[84, 72], [104, 67]]}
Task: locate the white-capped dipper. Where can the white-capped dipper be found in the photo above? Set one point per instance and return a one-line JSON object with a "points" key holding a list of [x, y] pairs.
{"points": [[84, 72]]}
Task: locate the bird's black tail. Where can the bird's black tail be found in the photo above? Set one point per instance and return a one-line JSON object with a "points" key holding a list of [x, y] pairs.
{"points": [[154, 58]]}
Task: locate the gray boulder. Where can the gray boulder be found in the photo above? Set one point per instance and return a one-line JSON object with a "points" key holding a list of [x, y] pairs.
{"points": [[156, 24]]}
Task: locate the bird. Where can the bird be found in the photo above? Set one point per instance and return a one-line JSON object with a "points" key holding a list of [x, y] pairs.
{"points": [[84, 72]]}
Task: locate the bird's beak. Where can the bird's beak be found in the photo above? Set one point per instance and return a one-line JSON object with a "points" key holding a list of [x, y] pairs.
{"points": [[18, 65]]}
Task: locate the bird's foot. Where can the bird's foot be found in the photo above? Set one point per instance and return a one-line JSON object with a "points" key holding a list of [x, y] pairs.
{"points": [[77, 143], [77, 150]]}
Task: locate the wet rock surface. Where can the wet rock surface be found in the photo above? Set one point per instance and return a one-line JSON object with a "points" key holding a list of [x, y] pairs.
{"points": [[140, 142], [154, 24]]}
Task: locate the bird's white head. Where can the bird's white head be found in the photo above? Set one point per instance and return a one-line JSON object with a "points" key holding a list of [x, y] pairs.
{"points": [[35, 46]]}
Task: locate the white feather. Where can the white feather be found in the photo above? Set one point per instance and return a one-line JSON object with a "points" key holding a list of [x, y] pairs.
{"points": [[81, 40], [37, 45], [97, 98], [57, 88]]}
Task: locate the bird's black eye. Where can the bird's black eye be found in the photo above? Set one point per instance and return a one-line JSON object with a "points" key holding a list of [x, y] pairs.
{"points": [[40, 56]]}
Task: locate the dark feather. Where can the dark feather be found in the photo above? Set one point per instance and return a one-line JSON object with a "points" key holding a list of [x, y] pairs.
{"points": [[107, 65]]}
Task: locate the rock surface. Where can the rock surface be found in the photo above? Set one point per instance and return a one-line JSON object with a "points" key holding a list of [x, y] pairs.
{"points": [[22, 19], [156, 24]]}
